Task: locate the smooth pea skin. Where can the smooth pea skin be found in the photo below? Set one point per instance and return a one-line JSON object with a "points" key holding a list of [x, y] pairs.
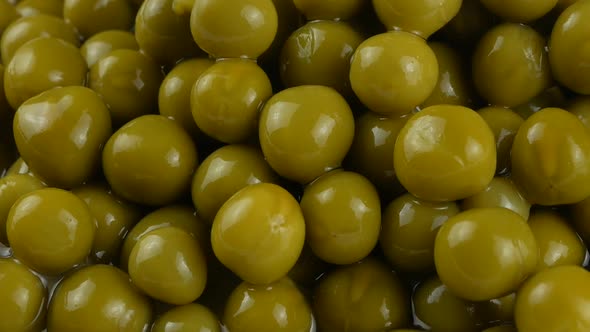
{"points": [[50, 230], [557, 241], [421, 17], [163, 34], [409, 227], [510, 65], [278, 306], [150, 169], [372, 148], [519, 11], [19, 167], [365, 296], [569, 47], [319, 53], [177, 216], [35, 7], [503, 328], [114, 218], [224, 173], [93, 16], [192, 317], [454, 86], [551, 158], [169, 265], [328, 9], [24, 298], [259, 233], [31, 71], [580, 106], [504, 124], [226, 99], [305, 131], [129, 82], [552, 97], [439, 310], [496, 311], [12, 187], [343, 217], [234, 28], [393, 72], [501, 192], [8, 14], [98, 298], [175, 92], [102, 43], [445, 153], [29, 28], [60, 134], [556, 292], [499, 238]]}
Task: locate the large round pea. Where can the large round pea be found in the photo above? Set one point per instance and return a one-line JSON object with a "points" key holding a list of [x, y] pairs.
{"points": [[50, 230], [146, 168], [114, 218], [551, 158], [187, 318], [169, 265], [98, 298], [445, 153], [175, 92], [163, 34], [60, 134], [421, 17], [473, 246], [319, 53], [568, 48], [31, 71], [329, 9], [178, 216], [372, 148], [35, 7], [510, 65], [12, 187], [365, 296], [343, 217], [129, 82], [519, 11], [224, 173], [393, 72], [436, 307], [454, 85], [504, 124], [93, 16], [234, 28], [501, 192], [409, 227], [24, 298], [278, 306], [102, 43], [259, 233], [5, 110], [305, 131], [557, 241], [227, 97], [29, 28], [8, 14], [560, 291]]}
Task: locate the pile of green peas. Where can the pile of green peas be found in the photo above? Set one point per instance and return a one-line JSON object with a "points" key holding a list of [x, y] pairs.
{"points": [[294, 165]]}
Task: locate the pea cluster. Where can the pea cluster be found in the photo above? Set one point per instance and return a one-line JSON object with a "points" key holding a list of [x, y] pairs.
{"points": [[294, 165]]}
